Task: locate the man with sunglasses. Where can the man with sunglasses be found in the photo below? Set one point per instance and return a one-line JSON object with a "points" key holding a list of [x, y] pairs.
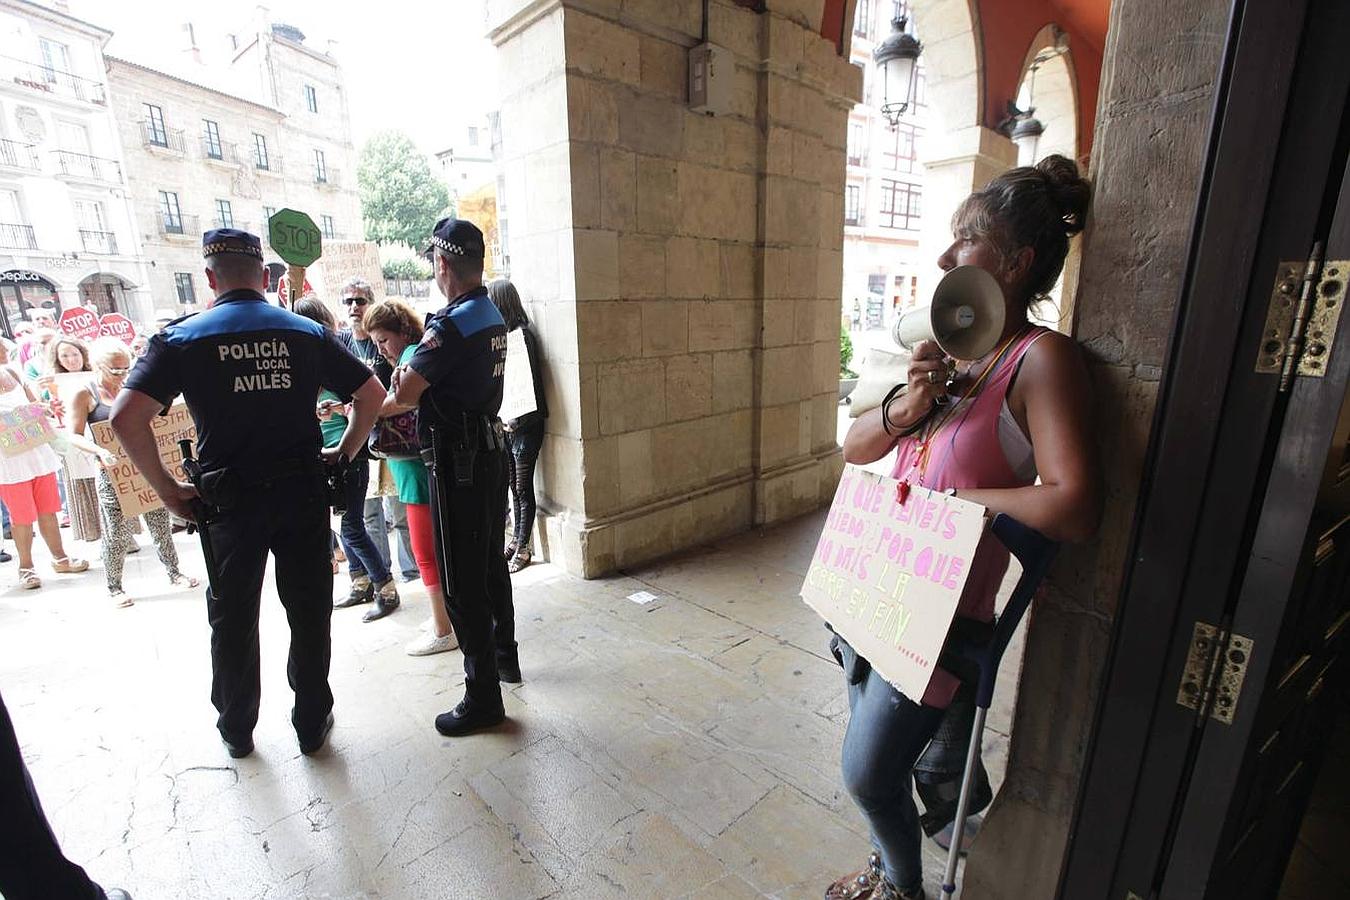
{"points": [[358, 296]]}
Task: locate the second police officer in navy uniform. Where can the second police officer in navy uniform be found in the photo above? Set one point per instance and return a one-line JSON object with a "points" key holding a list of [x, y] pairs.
{"points": [[250, 373], [454, 379]]}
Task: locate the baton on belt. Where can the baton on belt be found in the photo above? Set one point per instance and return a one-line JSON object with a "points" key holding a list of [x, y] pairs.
{"points": [[202, 511]]}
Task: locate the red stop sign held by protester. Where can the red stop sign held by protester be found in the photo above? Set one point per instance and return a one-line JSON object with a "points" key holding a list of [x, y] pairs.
{"points": [[284, 289], [80, 322], [118, 326]]}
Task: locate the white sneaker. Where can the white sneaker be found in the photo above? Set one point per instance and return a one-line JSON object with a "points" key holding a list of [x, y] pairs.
{"points": [[429, 644]]}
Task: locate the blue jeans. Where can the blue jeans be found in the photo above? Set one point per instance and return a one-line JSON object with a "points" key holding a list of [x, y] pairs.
{"points": [[378, 529], [395, 510], [886, 733], [362, 551]]}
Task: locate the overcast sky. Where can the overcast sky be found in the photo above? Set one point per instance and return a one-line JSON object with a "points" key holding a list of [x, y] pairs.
{"points": [[423, 68]]}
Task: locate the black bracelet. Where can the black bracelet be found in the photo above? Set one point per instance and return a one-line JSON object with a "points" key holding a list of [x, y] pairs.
{"points": [[895, 394]]}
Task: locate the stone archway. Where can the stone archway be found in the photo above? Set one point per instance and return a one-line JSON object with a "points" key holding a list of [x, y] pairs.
{"points": [[1050, 85], [1052, 89], [959, 152], [106, 292]]}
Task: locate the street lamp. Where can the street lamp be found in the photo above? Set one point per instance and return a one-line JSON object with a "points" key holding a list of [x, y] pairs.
{"points": [[897, 57], [1026, 135]]}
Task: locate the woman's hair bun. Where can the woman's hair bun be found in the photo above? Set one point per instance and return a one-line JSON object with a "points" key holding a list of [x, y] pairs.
{"points": [[1069, 191]]}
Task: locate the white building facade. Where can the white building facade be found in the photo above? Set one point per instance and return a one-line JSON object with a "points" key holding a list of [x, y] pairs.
{"points": [[67, 231], [200, 156], [883, 192]]}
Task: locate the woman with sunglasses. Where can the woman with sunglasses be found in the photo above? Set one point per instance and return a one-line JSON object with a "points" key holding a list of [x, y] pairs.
{"points": [[112, 361]]}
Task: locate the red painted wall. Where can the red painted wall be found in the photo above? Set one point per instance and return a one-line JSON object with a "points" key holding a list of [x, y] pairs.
{"points": [[1008, 30]]}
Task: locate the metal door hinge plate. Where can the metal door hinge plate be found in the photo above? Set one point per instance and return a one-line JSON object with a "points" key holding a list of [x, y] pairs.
{"points": [[1213, 648], [1301, 320], [1323, 319]]}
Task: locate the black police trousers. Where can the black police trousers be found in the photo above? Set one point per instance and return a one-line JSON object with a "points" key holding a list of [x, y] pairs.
{"points": [[477, 590], [289, 518], [32, 866]]}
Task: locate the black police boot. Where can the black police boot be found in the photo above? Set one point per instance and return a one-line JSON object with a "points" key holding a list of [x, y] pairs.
{"points": [[314, 743], [508, 669], [238, 748], [469, 716]]}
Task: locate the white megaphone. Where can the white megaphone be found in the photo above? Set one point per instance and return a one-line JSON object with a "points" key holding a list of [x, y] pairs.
{"points": [[966, 315]]}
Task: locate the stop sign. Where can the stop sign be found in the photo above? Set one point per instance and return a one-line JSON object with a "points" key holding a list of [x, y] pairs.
{"points": [[80, 322], [118, 326]]}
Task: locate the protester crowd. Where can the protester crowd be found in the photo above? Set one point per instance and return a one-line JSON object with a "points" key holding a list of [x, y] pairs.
{"points": [[62, 492]]}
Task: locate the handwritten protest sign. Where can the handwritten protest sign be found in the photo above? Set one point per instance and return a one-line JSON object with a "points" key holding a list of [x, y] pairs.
{"points": [[134, 493], [517, 380], [887, 577], [344, 260], [23, 428]]}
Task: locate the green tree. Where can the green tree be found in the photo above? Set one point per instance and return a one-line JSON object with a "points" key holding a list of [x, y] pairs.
{"points": [[412, 269], [400, 198]]}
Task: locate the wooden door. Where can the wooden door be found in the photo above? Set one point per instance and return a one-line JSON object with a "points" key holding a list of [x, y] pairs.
{"points": [[1235, 467]]}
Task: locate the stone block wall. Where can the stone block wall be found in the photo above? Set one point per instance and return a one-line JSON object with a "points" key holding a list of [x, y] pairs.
{"points": [[1154, 115], [684, 269]]}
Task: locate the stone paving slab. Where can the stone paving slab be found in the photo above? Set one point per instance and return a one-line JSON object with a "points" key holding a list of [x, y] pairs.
{"points": [[684, 748]]}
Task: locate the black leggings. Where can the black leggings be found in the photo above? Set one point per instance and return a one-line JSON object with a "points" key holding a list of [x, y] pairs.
{"points": [[524, 444]]}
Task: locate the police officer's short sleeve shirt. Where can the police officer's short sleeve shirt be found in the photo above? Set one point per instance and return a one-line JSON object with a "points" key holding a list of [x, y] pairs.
{"points": [[462, 356], [251, 374]]}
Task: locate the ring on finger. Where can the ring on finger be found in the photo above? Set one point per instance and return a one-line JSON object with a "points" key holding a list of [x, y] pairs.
{"points": [[932, 377]]}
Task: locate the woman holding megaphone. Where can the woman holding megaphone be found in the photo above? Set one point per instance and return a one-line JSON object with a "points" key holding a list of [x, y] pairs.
{"points": [[1009, 429]]}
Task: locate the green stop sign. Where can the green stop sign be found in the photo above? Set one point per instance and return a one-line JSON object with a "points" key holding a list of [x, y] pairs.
{"points": [[295, 237]]}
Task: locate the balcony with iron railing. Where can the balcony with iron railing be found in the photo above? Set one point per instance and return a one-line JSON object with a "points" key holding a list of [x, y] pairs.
{"points": [[48, 80], [17, 237], [103, 243], [14, 155], [82, 165], [179, 226], [157, 137], [237, 224], [271, 165], [219, 151]]}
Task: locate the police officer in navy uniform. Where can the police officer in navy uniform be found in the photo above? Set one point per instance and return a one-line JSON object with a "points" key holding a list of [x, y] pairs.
{"points": [[454, 379], [250, 373]]}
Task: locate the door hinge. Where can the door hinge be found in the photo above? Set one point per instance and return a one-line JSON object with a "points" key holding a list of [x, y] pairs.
{"points": [[1305, 308], [1215, 668]]}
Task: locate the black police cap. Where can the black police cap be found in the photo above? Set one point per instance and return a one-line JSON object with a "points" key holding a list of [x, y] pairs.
{"points": [[458, 237], [231, 240]]}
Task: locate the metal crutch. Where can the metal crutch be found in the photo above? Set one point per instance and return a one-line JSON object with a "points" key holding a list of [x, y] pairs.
{"points": [[1035, 552]]}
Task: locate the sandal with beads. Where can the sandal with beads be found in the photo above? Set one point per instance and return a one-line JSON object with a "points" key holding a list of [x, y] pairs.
{"points": [[29, 580]]}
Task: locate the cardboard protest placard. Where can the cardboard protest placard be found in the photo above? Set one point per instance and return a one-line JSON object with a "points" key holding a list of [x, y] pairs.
{"points": [[888, 577], [344, 260], [134, 494], [23, 428], [517, 381]]}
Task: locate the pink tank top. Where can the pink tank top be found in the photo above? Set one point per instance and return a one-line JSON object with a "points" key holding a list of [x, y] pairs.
{"points": [[967, 454]]}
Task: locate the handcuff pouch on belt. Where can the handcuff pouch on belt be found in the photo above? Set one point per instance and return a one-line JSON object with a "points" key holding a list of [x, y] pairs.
{"points": [[219, 488]]}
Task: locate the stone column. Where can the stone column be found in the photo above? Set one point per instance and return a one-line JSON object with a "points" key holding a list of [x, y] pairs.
{"points": [[684, 269], [808, 91], [1157, 97], [955, 164]]}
